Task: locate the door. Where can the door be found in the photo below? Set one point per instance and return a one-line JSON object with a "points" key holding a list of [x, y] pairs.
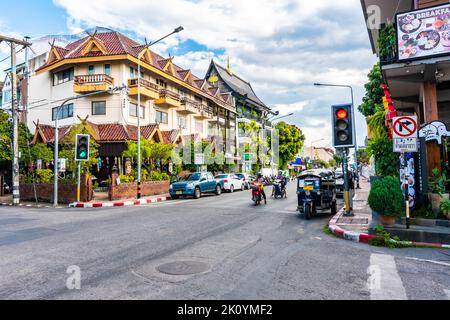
{"points": [[212, 182]]}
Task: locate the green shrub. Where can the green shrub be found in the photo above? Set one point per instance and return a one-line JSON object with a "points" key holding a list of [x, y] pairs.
{"points": [[384, 239], [126, 179], [165, 177], [155, 176], [437, 182], [43, 176], [386, 197]]}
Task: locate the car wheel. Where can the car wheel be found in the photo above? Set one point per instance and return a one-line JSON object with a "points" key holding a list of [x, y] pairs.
{"points": [[307, 211], [231, 189], [218, 190], [197, 193], [175, 197], [242, 187], [334, 208]]}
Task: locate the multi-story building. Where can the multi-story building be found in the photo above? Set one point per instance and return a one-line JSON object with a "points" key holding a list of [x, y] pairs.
{"points": [[413, 44], [248, 106], [173, 99]]}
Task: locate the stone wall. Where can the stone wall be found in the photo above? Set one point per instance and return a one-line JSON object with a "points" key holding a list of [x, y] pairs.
{"points": [[129, 190]]}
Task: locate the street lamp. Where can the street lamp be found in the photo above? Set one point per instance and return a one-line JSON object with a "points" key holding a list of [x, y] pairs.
{"points": [[271, 134], [56, 136], [138, 111], [353, 115], [282, 117]]}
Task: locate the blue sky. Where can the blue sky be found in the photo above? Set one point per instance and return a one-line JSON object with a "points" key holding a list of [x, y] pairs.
{"points": [[282, 47]]}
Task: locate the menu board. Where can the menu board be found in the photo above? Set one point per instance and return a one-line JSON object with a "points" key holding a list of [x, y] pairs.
{"points": [[423, 33]]}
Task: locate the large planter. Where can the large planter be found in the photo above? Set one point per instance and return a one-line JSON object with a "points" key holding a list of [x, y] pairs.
{"points": [[387, 221], [435, 201]]}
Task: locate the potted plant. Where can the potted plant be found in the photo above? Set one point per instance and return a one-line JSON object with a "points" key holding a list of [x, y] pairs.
{"points": [[436, 185], [445, 207], [386, 198]]}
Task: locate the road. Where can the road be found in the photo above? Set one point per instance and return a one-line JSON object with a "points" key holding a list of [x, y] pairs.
{"points": [[212, 248]]}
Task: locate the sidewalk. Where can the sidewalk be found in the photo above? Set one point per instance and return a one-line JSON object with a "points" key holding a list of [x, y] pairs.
{"points": [[357, 228], [121, 203]]}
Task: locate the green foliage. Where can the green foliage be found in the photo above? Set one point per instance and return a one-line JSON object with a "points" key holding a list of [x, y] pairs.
{"points": [[425, 212], [42, 152], [386, 161], [372, 101], [445, 206], [384, 239], [437, 182], [126, 179], [363, 157], [6, 134], [44, 176], [291, 140], [386, 197], [321, 164], [151, 152], [377, 125], [386, 41], [67, 150], [338, 159]]}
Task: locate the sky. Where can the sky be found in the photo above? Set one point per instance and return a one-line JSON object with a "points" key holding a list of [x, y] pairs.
{"points": [[281, 47]]}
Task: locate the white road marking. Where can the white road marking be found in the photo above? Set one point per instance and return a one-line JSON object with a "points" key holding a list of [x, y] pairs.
{"points": [[429, 261], [447, 292], [384, 282]]}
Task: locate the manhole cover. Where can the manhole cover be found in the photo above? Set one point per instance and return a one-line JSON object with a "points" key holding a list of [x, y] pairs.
{"points": [[181, 268]]}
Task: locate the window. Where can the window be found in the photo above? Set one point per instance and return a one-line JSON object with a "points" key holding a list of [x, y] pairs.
{"points": [[182, 93], [198, 99], [162, 117], [98, 108], [63, 76], [91, 70], [133, 111], [131, 72], [199, 126], [182, 122], [65, 112], [108, 69], [161, 83]]}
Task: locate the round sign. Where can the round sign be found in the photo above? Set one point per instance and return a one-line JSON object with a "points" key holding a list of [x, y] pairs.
{"points": [[405, 127]]}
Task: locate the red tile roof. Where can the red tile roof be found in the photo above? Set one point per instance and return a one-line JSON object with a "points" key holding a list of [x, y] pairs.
{"points": [[115, 43], [170, 136]]}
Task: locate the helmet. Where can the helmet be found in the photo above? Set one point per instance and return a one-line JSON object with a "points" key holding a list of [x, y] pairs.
{"points": [[259, 175]]}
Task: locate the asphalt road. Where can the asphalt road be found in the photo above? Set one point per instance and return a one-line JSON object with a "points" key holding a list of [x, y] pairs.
{"points": [[213, 248]]}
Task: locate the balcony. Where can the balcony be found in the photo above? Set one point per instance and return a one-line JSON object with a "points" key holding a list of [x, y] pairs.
{"points": [[148, 89], [91, 83], [189, 106], [168, 99], [206, 113]]}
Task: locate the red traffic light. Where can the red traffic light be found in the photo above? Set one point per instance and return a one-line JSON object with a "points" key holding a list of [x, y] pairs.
{"points": [[342, 114]]}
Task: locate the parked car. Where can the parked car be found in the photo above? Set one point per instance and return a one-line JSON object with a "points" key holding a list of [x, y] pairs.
{"points": [[230, 182], [246, 178], [339, 180], [194, 185]]}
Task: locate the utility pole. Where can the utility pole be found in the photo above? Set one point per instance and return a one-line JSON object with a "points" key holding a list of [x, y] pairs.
{"points": [[15, 115]]}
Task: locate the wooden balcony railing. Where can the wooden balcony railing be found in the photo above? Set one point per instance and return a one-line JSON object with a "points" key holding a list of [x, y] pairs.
{"points": [[164, 93], [186, 102], [132, 83]]}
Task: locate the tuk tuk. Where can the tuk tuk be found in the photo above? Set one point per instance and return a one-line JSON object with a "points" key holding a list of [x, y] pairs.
{"points": [[316, 192]]}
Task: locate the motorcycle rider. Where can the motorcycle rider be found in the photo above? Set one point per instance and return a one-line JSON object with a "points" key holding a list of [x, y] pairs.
{"points": [[282, 179], [259, 181]]}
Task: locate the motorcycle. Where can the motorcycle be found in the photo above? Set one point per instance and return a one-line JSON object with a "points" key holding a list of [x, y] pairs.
{"points": [[256, 195], [278, 190]]}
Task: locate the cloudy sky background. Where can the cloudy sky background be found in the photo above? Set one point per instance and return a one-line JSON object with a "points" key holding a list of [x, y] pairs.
{"points": [[282, 47]]}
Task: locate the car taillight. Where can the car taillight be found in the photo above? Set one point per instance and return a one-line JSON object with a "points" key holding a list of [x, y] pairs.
{"points": [[226, 180]]}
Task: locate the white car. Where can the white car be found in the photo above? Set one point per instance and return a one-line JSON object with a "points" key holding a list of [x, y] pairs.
{"points": [[231, 182]]}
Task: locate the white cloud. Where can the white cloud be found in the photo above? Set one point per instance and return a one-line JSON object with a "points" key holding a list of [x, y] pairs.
{"points": [[281, 47]]}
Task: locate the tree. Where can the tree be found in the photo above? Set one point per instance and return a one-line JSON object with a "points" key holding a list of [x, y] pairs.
{"points": [[363, 157], [372, 101], [150, 152], [41, 151], [291, 141]]}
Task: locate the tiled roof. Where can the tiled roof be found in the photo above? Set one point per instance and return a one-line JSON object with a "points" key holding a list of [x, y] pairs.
{"points": [[170, 136], [115, 43], [111, 132], [238, 85]]}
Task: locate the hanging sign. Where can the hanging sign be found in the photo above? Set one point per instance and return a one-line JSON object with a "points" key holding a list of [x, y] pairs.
{"points": [[405, 127], [435, 130]]}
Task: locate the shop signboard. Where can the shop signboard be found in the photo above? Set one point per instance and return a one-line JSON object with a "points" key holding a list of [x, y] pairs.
{"points": [[423, 33]]}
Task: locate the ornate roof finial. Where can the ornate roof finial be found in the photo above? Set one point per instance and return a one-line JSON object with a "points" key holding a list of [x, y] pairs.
{"points": [[229, 67]]}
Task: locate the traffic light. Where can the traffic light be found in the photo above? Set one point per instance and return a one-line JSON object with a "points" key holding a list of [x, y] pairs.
{"points": [[342, 123], [82, 147]]}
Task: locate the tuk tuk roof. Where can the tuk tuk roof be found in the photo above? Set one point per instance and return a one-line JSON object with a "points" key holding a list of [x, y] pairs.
{"points": [[322, 173]]}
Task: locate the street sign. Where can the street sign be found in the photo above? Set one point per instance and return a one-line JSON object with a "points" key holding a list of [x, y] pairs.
{"points": [[405, 127], [406, 145]]}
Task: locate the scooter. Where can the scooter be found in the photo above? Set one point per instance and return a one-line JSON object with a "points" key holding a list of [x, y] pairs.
{"points": [[256, 195], [278, 190]]}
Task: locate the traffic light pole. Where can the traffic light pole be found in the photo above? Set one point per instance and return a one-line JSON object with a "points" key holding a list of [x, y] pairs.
{"points": [[347, 191], [79, 181]]}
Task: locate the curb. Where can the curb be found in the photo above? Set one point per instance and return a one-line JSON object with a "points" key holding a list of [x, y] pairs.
{"points": [[365, 238], [81, 205], [30, 206]]}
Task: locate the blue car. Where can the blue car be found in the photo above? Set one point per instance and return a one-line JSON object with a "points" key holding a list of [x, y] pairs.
{"points": [[195, 184]]}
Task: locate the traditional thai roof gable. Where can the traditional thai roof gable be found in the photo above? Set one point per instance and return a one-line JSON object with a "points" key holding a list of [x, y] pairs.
{"points": [[173, 137], [93, 45]]}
